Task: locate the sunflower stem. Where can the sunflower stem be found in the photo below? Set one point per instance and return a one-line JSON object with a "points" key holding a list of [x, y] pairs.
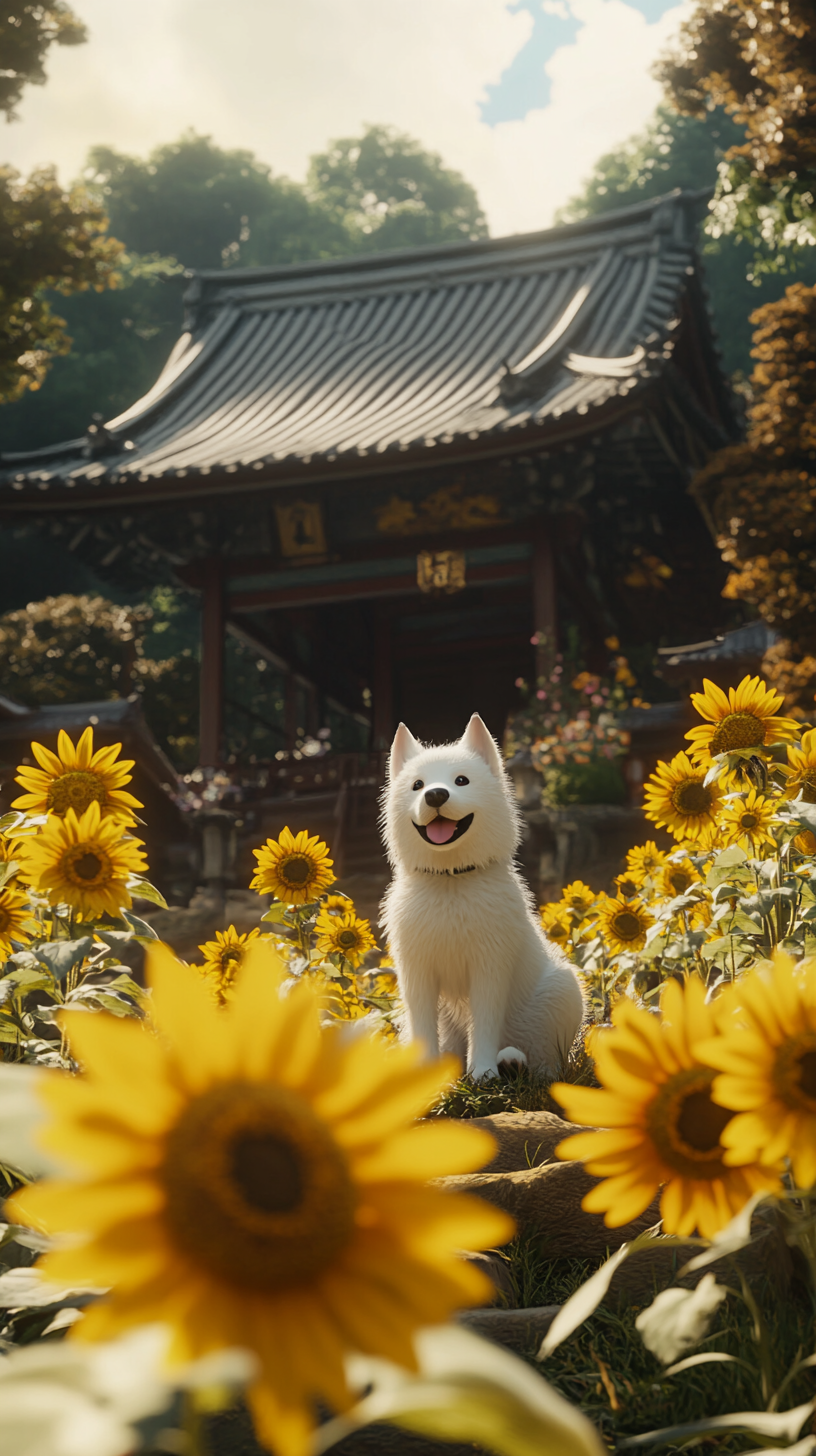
{"points": [[193, 1426]]}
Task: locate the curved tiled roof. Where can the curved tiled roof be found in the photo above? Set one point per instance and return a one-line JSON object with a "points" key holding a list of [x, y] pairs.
{"points": [[397, 353]]}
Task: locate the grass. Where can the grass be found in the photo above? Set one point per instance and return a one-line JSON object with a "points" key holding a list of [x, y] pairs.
{"points": [[520, 1090], [606, 1369]]}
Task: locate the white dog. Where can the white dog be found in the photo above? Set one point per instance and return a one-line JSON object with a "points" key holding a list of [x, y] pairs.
{"points": [[476, 972]]}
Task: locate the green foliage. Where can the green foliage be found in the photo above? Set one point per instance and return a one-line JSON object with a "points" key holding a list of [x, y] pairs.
{"points": [[84, 649], [192, 204], [597, 782], [686, 151], [761, 67], [26, 34], [387, 192], [49, 239]]}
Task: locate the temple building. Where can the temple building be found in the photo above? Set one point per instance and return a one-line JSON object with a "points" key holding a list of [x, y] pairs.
{"points": [[386, 474]]}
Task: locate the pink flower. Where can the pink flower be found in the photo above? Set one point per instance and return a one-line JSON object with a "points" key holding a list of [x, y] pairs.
{"points": [[541, 695], [597, 700], [519, 682]]}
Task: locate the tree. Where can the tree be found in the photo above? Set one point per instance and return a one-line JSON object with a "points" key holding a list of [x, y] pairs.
{"points": [[761, 493], [49, 239], [685, 151], [759, 64], [86, 648], [193, 204], [389, 193], [26, 36]]}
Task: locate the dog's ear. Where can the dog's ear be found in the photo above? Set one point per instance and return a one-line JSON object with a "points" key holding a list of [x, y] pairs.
{"points": [[478, 740], [404, 747]]}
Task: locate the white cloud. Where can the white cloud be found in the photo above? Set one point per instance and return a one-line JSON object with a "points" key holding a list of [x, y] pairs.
{"points": [[282, 78]]}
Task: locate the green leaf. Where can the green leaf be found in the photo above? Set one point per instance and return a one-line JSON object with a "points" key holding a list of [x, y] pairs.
{"points": [[60, 956], [467, 1390], [11, 820], [785, 1425], [142, 932], [277, 913], [143, 890], [8, 870]]}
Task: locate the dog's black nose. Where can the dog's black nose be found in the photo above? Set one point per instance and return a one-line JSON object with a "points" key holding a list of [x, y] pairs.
{"points": [[435, 797]]}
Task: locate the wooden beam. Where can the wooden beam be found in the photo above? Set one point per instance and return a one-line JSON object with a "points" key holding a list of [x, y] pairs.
{"points": [[367, 587], [211, 711], [545, 607]]}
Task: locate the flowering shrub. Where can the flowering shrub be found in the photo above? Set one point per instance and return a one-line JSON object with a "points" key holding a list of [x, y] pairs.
{"points": [[570, 725]]}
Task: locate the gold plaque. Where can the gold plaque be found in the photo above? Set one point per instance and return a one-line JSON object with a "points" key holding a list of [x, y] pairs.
{"points": [[300, 528], [441, 571]]}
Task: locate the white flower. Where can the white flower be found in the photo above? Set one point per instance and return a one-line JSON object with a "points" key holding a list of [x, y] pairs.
{"points": [[71, 1399], [678, 1319]]}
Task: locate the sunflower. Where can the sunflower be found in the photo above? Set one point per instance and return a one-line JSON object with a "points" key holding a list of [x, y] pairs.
{"points": [[746, 718], [556, 922], [660, 1124], [806, 842], [76, 777], [766, 1053], [676, 877], [801, 768], [628, 885], [346, 935], [294, 868], [677, 799], [15, 918], [578, 899], [223, 958], [85, 863], [337, 904], [645, 859], [251, 1179], [623, 924], [747, 821]]}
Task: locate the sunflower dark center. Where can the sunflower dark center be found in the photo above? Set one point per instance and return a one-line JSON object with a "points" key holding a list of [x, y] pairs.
{"points": [[267, 1170], [75, 791], [626, 925], [347, 939], [749, 820], [679, 881], [5, 920], [700, 1122], [297, 870], [692, 797], [87, 866], [807, 1074], [738, 730]]}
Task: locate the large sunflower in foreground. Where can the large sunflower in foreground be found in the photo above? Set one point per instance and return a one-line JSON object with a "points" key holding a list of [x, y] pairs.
{"points": [[747, 821], [346, 935], [746, 718], [295, 868], [253, 1180], [677, 799], [766, 1052], [660, 1126], [623, 924], [76, 777], [85, 863], [15, 918], [223, 958]]}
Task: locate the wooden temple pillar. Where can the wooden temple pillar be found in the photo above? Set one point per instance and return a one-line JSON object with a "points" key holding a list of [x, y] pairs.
{"points": [[545, 605], [211, 711], [382, 719]]}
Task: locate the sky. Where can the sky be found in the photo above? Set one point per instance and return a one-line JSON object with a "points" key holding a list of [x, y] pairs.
{"points": [[521, 96]]}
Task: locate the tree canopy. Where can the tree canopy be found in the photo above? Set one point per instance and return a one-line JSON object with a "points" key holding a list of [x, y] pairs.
{"points": [[758, 62], [26, 35], [685, 151], [192, 204]]}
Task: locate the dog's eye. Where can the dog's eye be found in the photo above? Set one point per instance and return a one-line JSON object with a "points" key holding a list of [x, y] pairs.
{"points": [[460, 780], [420, 784]]}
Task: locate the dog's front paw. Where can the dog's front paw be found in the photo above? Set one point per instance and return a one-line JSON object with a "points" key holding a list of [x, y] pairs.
{"points": [[511, 1060], [486, 1073]]}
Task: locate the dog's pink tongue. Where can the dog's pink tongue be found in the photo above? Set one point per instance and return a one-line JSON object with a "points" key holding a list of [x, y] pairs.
{"points": [[440, 830]]}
